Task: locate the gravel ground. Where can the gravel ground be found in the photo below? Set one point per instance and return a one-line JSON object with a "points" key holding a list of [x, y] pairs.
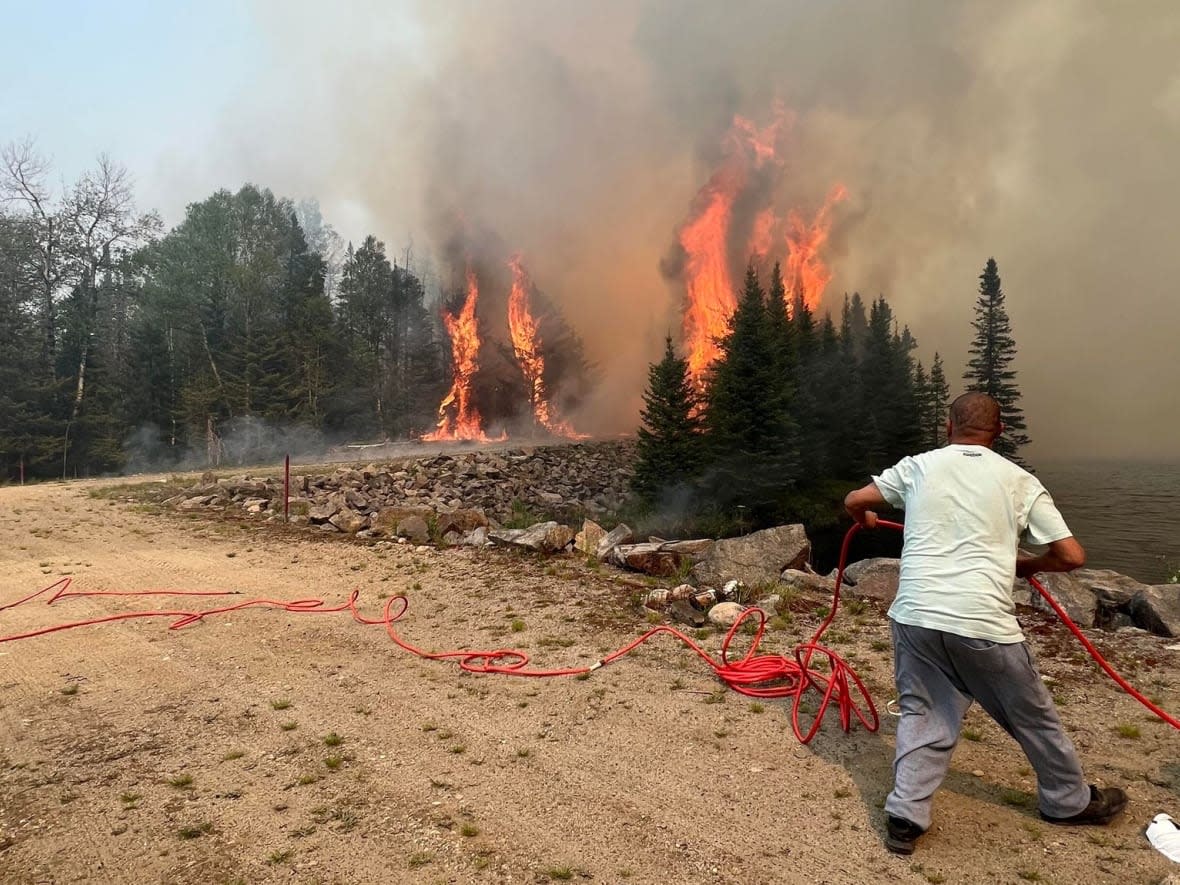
{"points": [[265, 746]]}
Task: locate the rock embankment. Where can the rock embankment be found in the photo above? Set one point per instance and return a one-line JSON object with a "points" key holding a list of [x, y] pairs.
{"points": [[468, 497], [444, 497]]}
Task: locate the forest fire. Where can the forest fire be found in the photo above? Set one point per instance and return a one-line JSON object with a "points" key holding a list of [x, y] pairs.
{"points": [[805, 274], [458, 417], [526, 345], [733, 221]]}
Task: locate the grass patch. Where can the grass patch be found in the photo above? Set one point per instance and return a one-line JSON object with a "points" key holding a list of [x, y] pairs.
{"points": [[130, 800], [70, 690], [1016, 798], [289, 726], [972, 734], [1127, 730], [419, 859], [469, 830], [333, 740], [278, 857], [518, 625], [232, 755], [195, 832], [757, 708], [561, 873], [282, 704], [334, 762], [181, 781]]}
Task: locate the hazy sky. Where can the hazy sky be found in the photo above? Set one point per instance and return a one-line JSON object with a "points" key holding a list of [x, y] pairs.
{"points": [[1042, 132]]}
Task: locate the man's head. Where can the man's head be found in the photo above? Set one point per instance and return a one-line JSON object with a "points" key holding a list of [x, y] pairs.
{"points": [[974, 418]]}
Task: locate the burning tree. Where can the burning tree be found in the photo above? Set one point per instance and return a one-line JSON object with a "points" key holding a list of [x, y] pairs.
{"points": [[458, 418], [733, 220], [510, 357]]}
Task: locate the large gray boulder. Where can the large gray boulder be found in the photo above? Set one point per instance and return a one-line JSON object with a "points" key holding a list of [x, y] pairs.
{"points": [[413, 528], [387, 519], [875, 578], [757, 558], [620, 534], [801, 580], [1071, 593], [543, 537], [1112, 589], [1157, 609], [349, 521]]}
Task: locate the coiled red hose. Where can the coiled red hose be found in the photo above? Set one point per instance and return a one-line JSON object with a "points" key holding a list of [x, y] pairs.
{"points": [[754, 675]]}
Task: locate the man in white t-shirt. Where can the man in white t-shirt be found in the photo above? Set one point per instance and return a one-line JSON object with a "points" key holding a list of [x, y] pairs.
{"points": [[956, 639]]}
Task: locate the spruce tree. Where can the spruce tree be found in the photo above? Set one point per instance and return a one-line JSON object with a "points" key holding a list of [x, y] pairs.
{"points": [[992, 351], [670, 444], [923, 401], [939, 398], [750, 430]]}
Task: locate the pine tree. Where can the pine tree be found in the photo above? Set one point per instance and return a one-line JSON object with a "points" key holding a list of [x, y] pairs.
{"points": [[922, 399], [992, 352], [670, 443], [750, 431], [939, 397]]}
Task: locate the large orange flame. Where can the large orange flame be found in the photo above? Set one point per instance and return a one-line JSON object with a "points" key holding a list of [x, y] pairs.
{"points": [[806, 276], [710, 296], [457, 416], [711, 238], [526, 344]]}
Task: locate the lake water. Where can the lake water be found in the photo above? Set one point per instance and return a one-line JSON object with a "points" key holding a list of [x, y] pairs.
{"points": [[1126, 514]]}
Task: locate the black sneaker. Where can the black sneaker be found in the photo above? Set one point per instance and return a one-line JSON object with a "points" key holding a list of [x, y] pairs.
{"points": [[1105, 805], [901, 834]]}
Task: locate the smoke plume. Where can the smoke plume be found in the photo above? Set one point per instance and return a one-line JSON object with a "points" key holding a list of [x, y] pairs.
{"points": [[1042, 133]]}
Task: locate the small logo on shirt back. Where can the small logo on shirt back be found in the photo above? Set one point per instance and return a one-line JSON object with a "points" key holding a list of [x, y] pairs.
{"points": [[972, 454]]}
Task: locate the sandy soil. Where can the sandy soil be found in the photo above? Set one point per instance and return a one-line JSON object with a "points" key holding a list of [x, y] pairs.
{"points": [[129, 753]]}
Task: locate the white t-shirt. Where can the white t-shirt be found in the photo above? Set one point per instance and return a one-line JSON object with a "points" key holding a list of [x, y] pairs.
{"points": [[966, 509]]}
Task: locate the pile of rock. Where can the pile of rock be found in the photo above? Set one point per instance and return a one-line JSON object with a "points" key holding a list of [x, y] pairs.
{"points": [[452, 498], [463, 499], [715, 572]]}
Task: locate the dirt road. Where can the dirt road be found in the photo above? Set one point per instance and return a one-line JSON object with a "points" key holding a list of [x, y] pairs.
{"points": [[264, 746]]}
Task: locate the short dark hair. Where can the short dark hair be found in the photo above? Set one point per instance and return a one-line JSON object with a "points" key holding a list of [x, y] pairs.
{"points": [[975, 411]]}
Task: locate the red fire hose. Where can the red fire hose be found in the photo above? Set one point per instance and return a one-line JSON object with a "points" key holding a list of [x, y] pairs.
{"points": [[755, 675]]}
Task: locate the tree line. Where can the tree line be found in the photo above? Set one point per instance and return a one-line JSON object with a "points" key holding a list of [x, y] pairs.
{"points": [[795, 410], [121, 343], [125, 346]]}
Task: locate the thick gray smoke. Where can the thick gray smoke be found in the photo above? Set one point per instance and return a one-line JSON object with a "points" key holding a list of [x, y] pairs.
{"points": [[1041, 132]]}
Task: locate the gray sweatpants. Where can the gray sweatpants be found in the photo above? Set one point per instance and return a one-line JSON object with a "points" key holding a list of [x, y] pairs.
{"points": [[938, 675]]}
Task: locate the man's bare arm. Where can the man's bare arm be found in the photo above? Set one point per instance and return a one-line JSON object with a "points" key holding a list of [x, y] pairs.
{"points": [[860, 504], [1062, 556]]}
